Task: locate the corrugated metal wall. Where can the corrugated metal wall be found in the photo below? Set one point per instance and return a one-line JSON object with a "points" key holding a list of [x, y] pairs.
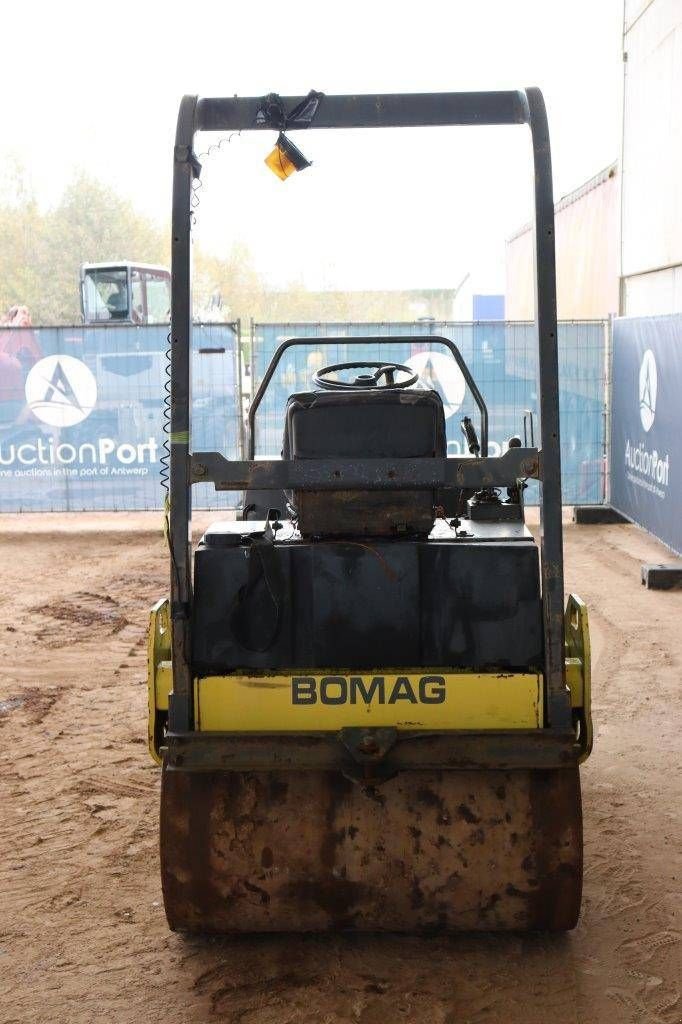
{"points": [[652, 158]]}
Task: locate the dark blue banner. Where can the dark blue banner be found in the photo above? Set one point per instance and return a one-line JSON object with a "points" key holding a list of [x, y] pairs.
{"points": [[81, 414], [646, 424]]}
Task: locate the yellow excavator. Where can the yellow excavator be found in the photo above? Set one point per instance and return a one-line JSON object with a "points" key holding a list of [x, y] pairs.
{"points": [[366, 695]]}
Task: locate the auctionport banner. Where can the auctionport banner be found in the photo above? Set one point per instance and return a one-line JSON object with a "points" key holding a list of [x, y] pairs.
{"points": [[81, 414], [646, 424]]}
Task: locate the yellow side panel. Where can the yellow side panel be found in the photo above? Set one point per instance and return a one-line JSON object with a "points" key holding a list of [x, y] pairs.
{"points": [[408, 700], [574, 681], [159, 673], [163, 684]]}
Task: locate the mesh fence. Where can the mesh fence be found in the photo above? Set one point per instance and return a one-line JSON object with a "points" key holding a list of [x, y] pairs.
{"points": [[82, 408], [82, 414], [502, 358]]}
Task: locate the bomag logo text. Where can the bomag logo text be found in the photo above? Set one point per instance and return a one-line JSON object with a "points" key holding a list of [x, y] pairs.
{"points": [[374, 690]]}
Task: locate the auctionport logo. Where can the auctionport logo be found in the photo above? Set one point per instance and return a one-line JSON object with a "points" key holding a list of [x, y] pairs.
{"points": [[647, 468], [61, 391], [440, 372], [648, 386]]}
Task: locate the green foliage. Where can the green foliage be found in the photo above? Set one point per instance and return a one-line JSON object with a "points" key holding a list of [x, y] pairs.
{"points": [[92, 225], [41, 253]]}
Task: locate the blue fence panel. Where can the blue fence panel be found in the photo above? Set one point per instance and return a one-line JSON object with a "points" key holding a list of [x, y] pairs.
{"points": [[81, 409], [81, 414], [502, 357]]}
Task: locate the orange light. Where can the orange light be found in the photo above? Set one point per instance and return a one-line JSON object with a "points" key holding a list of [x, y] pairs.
{"points": [[286, 158]]}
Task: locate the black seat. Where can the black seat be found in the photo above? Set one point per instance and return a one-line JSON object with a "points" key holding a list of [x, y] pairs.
{"points": [[385, 423]]}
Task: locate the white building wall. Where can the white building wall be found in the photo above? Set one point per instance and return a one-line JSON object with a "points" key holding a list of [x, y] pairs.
{"points": [[651, 166], [586, 224], [655, 293]]}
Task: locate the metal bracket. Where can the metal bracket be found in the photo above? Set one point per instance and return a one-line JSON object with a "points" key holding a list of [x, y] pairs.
{"points": [[368, 749], [186, 155], [368, 746], [579, 671]]}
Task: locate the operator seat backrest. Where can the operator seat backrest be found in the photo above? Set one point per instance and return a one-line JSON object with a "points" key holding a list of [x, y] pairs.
{"points": [[382, 423]]}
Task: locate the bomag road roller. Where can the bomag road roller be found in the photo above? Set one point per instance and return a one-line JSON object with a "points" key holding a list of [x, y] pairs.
{"points": [[368, 700]]}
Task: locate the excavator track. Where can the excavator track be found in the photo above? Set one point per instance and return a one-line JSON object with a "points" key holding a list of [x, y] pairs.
{"points": [[312, 851]]}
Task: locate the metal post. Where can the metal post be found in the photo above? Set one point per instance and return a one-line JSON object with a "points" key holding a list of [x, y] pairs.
{"points": [[239, 369], [185, 169], [608, 404], [250, 438], [558, 699]]}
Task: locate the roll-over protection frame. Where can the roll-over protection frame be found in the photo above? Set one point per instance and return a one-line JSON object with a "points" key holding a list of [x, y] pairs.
{"points": [[399, 110]]}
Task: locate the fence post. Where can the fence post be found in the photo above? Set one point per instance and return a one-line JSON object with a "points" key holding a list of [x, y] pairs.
{"points": [[608, 379], [237, 325]]}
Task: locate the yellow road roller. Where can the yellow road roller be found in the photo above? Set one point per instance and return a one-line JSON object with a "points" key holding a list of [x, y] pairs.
{"points": [[366, 695]]}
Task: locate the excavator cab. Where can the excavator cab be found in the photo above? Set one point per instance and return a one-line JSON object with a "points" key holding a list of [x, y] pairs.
{"points": [[125, 293]]}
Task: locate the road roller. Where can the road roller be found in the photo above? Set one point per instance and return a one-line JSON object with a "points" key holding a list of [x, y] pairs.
{"points": [[367, 694]]}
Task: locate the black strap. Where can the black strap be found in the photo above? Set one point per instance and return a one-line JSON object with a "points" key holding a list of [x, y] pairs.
{"points": [[264, 566], [271, 112]]}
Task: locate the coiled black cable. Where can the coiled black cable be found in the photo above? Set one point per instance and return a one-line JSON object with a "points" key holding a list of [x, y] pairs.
{"points": [[164, 473]]}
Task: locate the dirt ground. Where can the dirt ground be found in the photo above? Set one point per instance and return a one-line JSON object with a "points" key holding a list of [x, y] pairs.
{"points": [[82, 930]]}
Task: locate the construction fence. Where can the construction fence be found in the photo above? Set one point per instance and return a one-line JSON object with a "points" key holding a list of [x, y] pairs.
{"points": [[82, 424], [503, 360]]}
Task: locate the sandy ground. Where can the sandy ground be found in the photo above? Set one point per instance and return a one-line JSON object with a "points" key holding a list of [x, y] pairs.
{"points": [[82, 931]]}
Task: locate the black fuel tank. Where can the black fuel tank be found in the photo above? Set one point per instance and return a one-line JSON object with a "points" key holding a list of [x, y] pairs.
{"points": [[365, 604]]}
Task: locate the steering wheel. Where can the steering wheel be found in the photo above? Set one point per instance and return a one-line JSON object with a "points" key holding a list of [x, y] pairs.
{"points": [[366, 381]]}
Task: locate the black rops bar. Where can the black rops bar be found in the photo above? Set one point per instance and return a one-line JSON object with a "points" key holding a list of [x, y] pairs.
{"points": [[390, 110], [378, 111]]}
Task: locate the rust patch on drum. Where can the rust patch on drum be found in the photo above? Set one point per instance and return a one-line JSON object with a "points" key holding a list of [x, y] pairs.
{"points": [[468, 815], [313, 851], [557, 864]]}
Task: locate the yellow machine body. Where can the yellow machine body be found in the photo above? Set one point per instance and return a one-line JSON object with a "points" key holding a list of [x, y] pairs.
{"points": [[413, 854], [412, 699]]}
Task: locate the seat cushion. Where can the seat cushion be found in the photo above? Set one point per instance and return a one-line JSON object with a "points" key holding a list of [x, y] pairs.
{"points": [[372, 424], [389, 424]]}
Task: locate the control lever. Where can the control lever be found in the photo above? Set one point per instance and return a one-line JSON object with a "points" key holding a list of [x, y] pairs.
{"points": [[469, 431], [528, 423]]}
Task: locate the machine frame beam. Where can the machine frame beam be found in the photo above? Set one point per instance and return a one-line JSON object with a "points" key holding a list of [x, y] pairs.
{"points": [[365, 474], [328, 751]]}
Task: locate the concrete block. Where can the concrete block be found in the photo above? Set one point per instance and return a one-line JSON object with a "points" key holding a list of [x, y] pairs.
{"points": [[597, 515], [662, 577]]}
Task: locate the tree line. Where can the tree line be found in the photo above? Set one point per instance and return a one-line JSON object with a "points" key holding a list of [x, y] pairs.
{"points": [[41, 252]]}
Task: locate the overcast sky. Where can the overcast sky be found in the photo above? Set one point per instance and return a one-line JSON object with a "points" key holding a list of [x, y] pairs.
{"points": [[96, 85]]}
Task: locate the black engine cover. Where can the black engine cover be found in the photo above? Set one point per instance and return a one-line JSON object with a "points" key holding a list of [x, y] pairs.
{"points": [[371, 424], [379, 603]]}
